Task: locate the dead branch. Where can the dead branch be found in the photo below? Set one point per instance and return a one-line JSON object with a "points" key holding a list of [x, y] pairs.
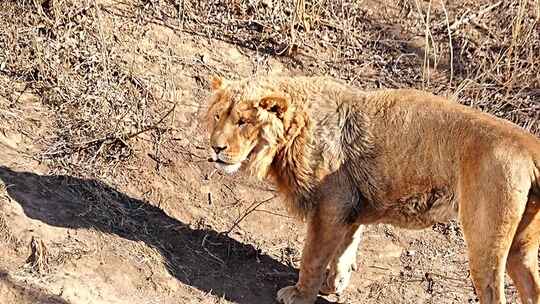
{"points": [[109, 139], [466, 19], [249, 209]]}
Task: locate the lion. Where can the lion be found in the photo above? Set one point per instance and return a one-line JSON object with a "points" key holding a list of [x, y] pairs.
{"points": [[344, 158]]}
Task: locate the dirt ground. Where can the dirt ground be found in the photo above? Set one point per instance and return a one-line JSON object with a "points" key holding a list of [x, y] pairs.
{"points": [[107, 195]]}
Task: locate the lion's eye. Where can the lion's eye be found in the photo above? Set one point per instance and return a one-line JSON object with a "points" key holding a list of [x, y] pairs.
{"points": [[241, 122], [216, 117]]}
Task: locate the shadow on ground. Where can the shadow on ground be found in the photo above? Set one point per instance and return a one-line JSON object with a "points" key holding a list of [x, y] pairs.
{"points": [[202, 258]]}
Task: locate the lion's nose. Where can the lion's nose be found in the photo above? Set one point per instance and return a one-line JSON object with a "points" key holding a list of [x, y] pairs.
{"points": [[218, 149]]}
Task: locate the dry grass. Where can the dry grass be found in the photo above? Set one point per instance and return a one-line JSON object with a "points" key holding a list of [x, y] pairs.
{"points": [[487, 55], [6, 236], [60, 51], [38, 260]]}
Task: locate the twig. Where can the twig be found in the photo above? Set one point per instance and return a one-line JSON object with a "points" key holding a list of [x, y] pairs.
{"points": [[428, 37], [209, 176], [451, 47], [426, 53], [208, 251], [41, 12], [467, 19], [124, 136], [249, 209], [214, 256], [73, 15], [380, 267], [273, 213]]}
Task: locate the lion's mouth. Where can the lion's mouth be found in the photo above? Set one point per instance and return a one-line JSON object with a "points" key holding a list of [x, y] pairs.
{"points": [[219, 161], [229, 168]]}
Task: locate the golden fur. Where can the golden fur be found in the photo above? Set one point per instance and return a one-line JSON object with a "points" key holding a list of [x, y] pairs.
{"points": [[345, 157]]}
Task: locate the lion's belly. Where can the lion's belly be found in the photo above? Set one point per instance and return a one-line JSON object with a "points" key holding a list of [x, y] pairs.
{"points": [[421, 210]]}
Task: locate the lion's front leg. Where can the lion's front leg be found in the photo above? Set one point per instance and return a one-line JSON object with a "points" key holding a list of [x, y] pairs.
{"points": [[343, 263], [324, 235]]}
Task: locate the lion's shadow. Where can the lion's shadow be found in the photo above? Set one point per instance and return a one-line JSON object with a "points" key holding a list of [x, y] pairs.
{"points": [[199, 257]]}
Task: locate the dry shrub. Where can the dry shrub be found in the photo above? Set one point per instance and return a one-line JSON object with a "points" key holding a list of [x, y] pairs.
{"points": [[486, 54], [498, 61], [6, 235], [38, 260], [62, 52]]}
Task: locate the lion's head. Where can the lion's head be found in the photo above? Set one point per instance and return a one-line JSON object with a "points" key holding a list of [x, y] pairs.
{"points": [[248, 125]]}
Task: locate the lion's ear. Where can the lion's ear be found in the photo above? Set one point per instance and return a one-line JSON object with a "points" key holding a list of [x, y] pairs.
{"points": [[275, 104], [216, 83]]}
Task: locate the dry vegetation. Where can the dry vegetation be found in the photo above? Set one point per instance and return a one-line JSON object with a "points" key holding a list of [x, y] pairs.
{"points": [[109, 94], [485, 54]]}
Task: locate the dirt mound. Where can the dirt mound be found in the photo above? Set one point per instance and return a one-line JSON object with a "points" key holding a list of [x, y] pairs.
{"points": [[107, 196]]}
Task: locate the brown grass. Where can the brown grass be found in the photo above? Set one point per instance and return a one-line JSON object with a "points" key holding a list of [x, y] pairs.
{"points": [[60, 51], [38, 260], [6, 236]]}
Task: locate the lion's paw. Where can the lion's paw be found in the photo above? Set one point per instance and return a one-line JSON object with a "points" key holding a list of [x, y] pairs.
{"points": [[291, 295]]}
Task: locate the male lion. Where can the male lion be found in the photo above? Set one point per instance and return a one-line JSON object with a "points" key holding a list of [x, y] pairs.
{"points": [[343, 158]]}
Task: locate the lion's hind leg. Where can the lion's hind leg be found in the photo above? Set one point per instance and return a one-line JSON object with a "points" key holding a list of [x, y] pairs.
{"points": [[522, 263], [490, 219]]}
